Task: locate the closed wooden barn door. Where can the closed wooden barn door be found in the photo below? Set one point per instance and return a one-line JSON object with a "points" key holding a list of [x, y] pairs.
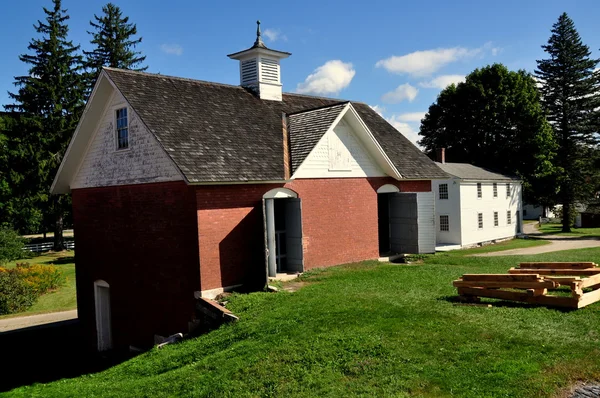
{"points": [[404, 229]]}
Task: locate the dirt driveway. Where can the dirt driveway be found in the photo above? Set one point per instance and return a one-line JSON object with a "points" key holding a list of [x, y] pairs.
{"points": [[557, 243]]}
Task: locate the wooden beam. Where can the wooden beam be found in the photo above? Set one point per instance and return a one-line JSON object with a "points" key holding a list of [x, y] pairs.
{"points": [[557, 265], [501, 277], [589, 298], [588, 271], [507, 285], [591, 281], [536, 292], [567, 302], [563, 280]]}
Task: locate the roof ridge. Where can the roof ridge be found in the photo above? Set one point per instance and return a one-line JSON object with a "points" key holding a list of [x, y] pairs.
{"points": [[206, 82], [318, 108]]}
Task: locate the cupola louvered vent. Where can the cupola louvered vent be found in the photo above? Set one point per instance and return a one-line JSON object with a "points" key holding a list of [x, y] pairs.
{"points": [[269, 70], [249, 72]]}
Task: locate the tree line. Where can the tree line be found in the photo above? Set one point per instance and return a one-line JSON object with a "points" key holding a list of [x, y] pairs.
{"points": [[541, 127], [36, 128]]}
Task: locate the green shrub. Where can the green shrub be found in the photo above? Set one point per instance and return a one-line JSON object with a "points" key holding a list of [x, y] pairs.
{"points": [[11, 245], [41, 278], [15, 294]]}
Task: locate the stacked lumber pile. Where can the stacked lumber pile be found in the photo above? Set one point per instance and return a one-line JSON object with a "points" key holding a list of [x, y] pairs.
{"points": [[530, 283]]}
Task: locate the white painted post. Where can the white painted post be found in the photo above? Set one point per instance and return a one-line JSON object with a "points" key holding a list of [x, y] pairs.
{"points": [[271, 246]]}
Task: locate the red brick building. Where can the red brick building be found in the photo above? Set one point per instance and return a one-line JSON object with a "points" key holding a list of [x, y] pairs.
{"points": [[182, 188]]}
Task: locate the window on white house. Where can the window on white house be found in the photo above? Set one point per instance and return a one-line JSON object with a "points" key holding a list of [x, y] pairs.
{"points": [[444, 223], [122, 129], [480, 220], [508, 190], [443, 191], [495, 190], [495, 219], [508, 217], [479, 195]]}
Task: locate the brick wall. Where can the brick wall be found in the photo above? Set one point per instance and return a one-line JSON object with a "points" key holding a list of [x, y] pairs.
{"points": [[339, 221], [141, 240]]}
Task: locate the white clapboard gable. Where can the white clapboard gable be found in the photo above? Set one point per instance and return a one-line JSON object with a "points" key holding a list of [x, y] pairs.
{"points": [[340, 153], [143, 162]]}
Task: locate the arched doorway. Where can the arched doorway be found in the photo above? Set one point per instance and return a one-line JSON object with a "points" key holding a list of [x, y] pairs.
{"points": [[383, 216], [103, 317], [284, 252]]}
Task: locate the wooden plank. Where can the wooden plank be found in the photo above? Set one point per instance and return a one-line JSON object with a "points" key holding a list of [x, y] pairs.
{"points": [[591, 281], [589, 298], [507, 285], [557, 265], [563, 280], [501, 277], [567, 302], [588, 271]]}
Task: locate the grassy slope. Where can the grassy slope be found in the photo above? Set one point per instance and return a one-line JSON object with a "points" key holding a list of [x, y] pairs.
{"points": [[370, 329], [556, 229], [62, 299]]}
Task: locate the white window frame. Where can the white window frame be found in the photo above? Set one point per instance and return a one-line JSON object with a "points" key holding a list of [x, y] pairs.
{"points": [[508, 188], [447, 223], [116, 109], [508, 217], [440, 191], [495, 185], [496, 219], [479, 190], [479, 220]]}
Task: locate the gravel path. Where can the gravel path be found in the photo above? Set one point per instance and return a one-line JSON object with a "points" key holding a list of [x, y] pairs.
{"points": [[35, 320], [557, 243]]}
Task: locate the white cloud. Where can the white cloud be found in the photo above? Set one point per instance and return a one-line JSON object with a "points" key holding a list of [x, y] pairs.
{"points": [[410, 131], [378, 108], [401, 93], [330, 78], [414, 117], [443, 81], [171, 49], [427, 62], [274, 34]]}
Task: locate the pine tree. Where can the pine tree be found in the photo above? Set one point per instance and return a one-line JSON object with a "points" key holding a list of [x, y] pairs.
{"points": [[570, 97], [50, 100], [114, 44]]}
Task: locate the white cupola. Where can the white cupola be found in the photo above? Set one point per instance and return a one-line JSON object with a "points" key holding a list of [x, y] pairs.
{"points": [[260, 70]]}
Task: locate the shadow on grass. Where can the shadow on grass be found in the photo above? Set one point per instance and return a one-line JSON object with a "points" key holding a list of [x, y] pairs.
{"points": [[61, 260], [46, 353], [458, 300]]}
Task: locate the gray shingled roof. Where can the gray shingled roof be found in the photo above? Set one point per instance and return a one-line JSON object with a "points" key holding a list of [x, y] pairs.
{"points": [[306, 129], [222, 133], [469, 172]]}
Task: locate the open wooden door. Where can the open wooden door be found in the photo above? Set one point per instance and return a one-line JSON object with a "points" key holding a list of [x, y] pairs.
{"points": [[293, 235], [103, 316], [269, 228], [404, 229]]}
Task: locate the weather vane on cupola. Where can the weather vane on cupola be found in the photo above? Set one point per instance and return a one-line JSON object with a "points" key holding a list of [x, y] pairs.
{"points": [[258, 42]]}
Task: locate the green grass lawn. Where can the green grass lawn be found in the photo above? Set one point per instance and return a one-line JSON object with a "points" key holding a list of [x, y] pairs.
{"points": [[370, 329], [556, 229], [64, 298]]}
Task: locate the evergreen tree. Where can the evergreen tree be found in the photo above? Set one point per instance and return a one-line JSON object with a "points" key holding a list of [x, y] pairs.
{"points": [[494, 120], [114, 42], [570, 97], [49, 99]]}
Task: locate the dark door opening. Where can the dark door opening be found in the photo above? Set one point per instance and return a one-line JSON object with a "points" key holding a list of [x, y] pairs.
{"points": [[283, 222], [383, 223]]}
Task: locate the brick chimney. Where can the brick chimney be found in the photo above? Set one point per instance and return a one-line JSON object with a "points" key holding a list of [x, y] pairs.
{"points": [[440, 155]]}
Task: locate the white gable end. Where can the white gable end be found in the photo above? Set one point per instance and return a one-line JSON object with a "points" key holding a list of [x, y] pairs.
{"points": [[144, 161], [339, 154]]}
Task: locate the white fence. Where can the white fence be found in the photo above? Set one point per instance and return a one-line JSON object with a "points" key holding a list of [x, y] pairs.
{"points": [[46, 246]]}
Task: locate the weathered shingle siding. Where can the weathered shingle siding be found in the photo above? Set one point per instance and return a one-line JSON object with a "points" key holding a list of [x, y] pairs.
{"points": [[143, 162]]}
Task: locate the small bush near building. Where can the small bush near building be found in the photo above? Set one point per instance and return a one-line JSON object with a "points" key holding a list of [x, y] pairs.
{"points": [[15, 294], [22, 285], [11, 245]]}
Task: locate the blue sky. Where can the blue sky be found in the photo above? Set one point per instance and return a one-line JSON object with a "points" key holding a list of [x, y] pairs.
{"points": [[395, 55]]}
